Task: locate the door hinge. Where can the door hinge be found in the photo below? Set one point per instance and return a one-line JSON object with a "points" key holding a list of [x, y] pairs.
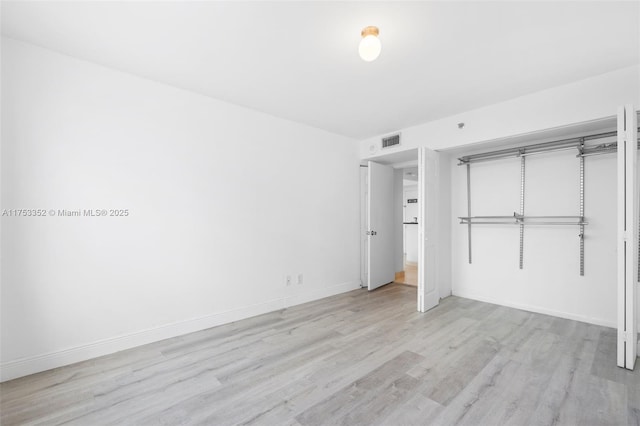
{"points": [[623, 336]]}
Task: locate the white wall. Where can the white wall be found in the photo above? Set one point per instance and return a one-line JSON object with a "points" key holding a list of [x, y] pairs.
{"points": [[550, 281], [579, 102], [223, 202]]}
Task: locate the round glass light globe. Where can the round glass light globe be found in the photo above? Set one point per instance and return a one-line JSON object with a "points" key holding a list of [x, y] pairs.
{"points": [[370, 48]]}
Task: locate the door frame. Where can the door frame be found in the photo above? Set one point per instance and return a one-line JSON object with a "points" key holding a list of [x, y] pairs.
{"points": [[627, 237], [428, 241], [415, 153], [364, 194]]}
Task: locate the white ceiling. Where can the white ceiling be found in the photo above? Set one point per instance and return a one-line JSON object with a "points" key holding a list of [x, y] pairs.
{"points": [[299, 60]]}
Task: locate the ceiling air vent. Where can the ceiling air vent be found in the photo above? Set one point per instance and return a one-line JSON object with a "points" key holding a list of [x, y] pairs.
{"points": [[390, 141]]}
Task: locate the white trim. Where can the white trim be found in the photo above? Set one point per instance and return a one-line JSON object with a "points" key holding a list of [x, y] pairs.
{"points": [[35, 364], [627, 236], [428, 223], [405, 164], [537, 309], [321, 293], [421, 227]]}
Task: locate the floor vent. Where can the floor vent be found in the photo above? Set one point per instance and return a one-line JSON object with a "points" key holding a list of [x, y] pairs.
{"points": [[390, 141]]}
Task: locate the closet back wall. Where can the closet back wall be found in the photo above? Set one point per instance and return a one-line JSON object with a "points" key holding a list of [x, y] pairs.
{"points": [[550, 281], [223, 203]]}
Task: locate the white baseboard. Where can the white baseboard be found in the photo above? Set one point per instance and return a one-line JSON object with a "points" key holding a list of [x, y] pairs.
{"points": [[536, 309], [320, 293], [35, 364]]}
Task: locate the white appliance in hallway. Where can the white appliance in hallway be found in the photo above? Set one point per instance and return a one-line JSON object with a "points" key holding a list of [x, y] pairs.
{"points": [[410, 219]]}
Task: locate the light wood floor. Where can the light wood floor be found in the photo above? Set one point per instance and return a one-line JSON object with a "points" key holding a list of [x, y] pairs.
{"points": [[409, 276], [356, 359]]}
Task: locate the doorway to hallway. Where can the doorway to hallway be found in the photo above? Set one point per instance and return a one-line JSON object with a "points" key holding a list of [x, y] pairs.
{"points": [[382, 241], [407, 271]]}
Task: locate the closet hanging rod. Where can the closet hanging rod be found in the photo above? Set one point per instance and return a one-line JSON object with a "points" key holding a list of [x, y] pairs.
{"points": [[523, 154], [539, 148], [607, 148], [519, 217], [516, 152], [465, 222]]}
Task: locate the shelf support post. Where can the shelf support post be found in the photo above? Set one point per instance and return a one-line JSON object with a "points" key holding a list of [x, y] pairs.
{"points": [[581, 207], [469, 208], [522, 162]]}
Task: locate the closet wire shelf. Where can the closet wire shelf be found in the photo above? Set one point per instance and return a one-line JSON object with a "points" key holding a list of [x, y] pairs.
{"points": [[520, 219]]}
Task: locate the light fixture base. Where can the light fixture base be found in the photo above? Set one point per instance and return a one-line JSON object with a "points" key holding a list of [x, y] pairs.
{"points": [[370, 30]]}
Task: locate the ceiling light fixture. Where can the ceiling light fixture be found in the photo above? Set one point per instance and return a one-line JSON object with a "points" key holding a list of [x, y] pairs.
{"points": [[370, 45]]}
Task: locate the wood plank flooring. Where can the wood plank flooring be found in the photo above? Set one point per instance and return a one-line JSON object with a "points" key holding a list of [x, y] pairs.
{"points": [[354, 359], [410, 276]]}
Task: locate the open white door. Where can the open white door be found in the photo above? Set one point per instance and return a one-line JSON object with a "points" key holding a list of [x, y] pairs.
{"points": [[627, 236], [428, 296], [380, 226]]}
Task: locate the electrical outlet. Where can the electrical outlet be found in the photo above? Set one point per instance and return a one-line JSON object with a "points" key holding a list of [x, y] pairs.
{"points": [[300, 279], [287, 280]]}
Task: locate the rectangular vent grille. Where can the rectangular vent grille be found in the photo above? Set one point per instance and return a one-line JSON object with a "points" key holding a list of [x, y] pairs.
{"points": [[390, 141]]}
